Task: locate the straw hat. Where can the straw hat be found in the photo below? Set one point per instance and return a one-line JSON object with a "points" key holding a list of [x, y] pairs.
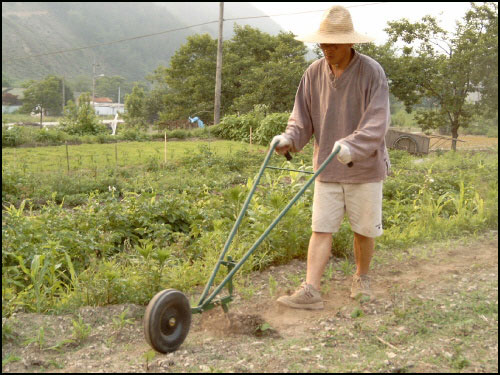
{"points": [[336, 27]]}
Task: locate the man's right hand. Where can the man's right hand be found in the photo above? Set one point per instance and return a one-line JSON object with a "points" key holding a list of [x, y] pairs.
{"points": [[283, 144]]}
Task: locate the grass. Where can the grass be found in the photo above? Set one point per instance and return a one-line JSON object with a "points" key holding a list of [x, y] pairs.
{"points": [[19, 117], [8, 118], [99, 157]]}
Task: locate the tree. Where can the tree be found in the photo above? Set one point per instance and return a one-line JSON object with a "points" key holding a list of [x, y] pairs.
{"points": [[443, 67], [257, 69], [81, 119], [485, 19], [262, 69], [6, 80], [108, 87], [45, 96], [82, 83], [190, 79], [135, 115]]}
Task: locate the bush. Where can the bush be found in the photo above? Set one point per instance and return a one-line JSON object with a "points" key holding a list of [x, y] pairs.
{"points": [[132, 134], [52, 136], [15, 136], [271, 125], [82, 120], [178, 133], [264, 127]]}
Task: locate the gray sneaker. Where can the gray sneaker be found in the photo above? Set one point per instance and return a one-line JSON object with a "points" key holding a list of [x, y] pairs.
{"points": [[361, 287], [306, 297]]}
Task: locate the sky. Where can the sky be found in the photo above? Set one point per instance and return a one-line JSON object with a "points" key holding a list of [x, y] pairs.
{"points": [[369, 18]]}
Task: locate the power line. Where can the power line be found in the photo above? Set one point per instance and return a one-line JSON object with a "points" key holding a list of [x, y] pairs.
{"points": [[9, 59], [106, 44], [293, 14]]}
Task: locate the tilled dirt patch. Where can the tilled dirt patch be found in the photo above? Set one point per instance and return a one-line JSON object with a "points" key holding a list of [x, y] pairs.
{"points": [[257, 335]]}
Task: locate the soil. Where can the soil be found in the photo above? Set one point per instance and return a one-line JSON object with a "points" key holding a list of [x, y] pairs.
{"points": [[260, 336]]}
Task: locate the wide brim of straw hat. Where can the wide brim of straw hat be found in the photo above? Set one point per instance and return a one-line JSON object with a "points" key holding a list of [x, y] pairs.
{"points": [[335, 38], [336, 28]]}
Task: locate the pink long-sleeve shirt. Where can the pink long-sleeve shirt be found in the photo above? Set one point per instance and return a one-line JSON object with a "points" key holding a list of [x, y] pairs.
{"points": [[353, 109]]}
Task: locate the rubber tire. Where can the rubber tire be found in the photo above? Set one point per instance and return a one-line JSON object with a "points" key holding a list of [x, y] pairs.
{"points": [[159, 334]]}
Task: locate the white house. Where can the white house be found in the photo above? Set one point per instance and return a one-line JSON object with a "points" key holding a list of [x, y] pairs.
{"points": [[105, 109]]}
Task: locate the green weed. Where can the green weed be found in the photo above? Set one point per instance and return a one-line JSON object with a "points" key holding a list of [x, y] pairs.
{"points": [[346, 267], [10, 358], [80, 330], [121, 321], [39, 339]]}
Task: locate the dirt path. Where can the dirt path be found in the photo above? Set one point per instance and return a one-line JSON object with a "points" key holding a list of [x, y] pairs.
{"points": [[436, 310]]}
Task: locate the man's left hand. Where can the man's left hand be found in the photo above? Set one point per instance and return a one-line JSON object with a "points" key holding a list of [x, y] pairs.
{"points": [[344, 154]]}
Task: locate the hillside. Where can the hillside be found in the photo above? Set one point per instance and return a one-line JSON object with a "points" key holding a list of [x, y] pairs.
{"points": [[37, 28]]}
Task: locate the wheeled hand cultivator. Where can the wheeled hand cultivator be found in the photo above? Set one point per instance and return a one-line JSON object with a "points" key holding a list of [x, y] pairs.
{"points": [[168, 316]]}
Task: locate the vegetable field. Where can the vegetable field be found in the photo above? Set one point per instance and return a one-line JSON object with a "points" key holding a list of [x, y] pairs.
{"points": [[106, 233]]}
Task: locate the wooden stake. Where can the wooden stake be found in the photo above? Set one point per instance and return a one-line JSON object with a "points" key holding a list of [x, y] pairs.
{"points": [[67, 155], [218, 71], [386, 343]]}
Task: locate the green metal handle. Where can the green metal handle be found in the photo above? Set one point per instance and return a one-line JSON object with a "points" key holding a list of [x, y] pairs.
{"points": [[207, 300], [237, 223]]}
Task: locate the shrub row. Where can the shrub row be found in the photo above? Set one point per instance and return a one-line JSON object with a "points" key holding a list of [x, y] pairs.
{"points": [[263, 127], [26, 136]]}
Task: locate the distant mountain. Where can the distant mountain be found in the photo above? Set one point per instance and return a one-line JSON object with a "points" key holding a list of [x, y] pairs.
{"points": [[43, 27]]}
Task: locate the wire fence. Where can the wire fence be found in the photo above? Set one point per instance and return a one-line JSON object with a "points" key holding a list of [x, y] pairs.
{"points": [[104, 157]]}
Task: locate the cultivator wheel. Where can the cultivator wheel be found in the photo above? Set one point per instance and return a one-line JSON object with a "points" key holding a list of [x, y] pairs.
{"points": [[167, 320]]}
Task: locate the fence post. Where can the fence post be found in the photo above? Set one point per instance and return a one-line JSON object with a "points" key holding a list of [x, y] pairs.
{"points": [[250, 135], [67, 155]]}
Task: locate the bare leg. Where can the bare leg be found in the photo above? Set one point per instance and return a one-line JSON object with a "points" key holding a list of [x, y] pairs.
{"points": [[364, 248], [318, 254]]}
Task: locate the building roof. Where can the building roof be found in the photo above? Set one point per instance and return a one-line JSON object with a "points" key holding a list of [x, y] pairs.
{"points": [[16, 91], [103, 100]]}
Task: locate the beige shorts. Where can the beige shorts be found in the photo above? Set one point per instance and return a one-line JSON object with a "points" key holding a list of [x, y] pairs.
{"points": [[362, 202]]}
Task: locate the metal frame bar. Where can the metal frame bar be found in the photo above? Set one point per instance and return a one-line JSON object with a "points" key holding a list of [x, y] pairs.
{"points": [[290, 170], [205, 302]]}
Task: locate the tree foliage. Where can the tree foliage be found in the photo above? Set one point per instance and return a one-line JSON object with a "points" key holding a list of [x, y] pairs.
{"points": [[46, 96], [445, 67], [109, 86], [257, 69], [135, 108], [484, 19], [81, 119], [261, 69]]}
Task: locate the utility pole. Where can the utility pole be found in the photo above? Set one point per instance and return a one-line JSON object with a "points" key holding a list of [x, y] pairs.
{"points": [[93, 83], [218, 73], [63, 95]]}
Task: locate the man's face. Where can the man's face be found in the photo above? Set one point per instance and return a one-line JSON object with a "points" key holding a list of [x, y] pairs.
{"points": [[336, 53]]}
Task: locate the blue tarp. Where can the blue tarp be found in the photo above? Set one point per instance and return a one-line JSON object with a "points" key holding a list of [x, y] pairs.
{"points": [[196, 119]]}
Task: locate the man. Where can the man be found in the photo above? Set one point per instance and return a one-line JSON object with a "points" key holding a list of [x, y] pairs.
{"points": [[343, 99]]}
